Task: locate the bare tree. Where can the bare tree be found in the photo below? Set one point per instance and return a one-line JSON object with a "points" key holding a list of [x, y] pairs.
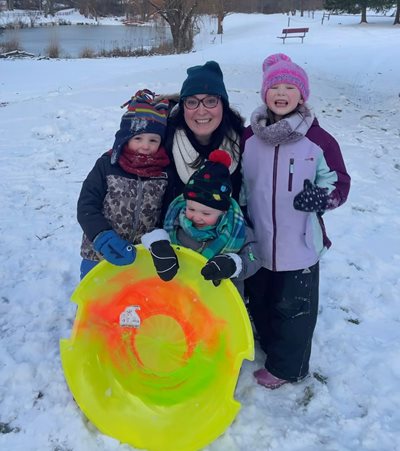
{"points": [[137, 8], [88, 8], [223, 8], [219, 8], [397, 16], [49, 8], [181, 17]]}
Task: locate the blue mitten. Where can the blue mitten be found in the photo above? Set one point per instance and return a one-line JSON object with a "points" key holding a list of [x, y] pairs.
{"points": [[114, 249], [312, 198]]}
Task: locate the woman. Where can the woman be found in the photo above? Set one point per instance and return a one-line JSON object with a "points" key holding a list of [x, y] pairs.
{"points": [[201, 122]]}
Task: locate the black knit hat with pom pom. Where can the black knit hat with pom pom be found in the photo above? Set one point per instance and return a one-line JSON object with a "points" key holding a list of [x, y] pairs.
{"points": [[211, 184]]}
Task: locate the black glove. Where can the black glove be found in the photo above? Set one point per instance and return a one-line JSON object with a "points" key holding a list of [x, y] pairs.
{"points": [[164, 259], [312, 199], [219, 267]]}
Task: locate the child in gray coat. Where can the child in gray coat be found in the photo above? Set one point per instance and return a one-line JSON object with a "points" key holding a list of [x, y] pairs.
{"points": [[207, 219]]}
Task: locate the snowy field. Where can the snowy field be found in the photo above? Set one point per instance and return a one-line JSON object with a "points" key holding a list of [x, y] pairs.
{"points": [[57, 117]]}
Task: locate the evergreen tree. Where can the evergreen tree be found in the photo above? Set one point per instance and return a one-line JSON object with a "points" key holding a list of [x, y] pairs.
{"points": [[358, 7]]}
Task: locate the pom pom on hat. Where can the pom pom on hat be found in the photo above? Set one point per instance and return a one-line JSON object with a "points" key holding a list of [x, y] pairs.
{"points": [[144, 115], [273, 59], [211, 185], [220, 156], [279, 68]]}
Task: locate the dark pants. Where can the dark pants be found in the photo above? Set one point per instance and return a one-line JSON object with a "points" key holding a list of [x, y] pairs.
{"points": [[284, 308]]}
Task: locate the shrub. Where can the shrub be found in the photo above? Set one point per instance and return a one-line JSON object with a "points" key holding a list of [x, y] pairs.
{"points": [[10, 45], [165, 48], [124, 52], [87, 53], [53, 50]]}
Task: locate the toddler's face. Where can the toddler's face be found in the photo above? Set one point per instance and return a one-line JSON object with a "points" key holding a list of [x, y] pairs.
{"points": [[145, 143], [282, 99], [201, 215]]}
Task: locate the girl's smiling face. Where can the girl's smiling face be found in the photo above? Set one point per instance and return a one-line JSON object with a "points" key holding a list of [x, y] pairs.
{"points": [[201, 215], [282, 99]]}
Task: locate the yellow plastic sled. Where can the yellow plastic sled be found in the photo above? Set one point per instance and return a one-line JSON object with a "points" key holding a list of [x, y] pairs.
{"points": [[154, 364]]}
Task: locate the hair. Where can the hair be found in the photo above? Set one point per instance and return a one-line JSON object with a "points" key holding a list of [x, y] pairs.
{"points": [[232, 121]]}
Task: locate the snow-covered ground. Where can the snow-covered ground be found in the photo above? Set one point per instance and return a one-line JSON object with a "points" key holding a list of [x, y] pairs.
{"points": [[57, 117]]}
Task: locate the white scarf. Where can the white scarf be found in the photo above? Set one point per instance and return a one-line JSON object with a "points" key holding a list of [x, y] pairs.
{"points": [[184, 154]]}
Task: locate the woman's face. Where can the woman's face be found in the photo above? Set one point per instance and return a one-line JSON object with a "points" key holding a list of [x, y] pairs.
{"points": [[203, 121]]}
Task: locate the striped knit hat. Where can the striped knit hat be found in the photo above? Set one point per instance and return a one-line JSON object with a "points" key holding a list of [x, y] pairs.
{"points": [[279, 68], [144, 115]]}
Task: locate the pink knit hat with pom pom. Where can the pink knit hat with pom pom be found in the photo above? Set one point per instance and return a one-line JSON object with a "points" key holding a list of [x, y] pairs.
{"points": [[279, 68]]}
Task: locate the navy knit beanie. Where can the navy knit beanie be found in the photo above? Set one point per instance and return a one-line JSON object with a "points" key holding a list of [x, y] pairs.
{"points": [[144, 115], [211, 184], [206, 79]]}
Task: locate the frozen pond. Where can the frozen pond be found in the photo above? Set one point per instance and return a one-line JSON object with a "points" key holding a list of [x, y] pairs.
{"points": [[72, 39]]}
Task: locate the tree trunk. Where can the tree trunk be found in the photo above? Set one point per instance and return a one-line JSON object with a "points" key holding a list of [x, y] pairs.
{"points": [[220, 29], [182, 38], [397, 16], [180, 16], [364, 14]]}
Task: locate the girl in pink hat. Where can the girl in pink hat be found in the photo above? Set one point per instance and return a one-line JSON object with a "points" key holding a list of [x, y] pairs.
{"points": [[293, 172]]}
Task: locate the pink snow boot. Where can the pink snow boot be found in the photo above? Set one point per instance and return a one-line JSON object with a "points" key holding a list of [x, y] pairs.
{"points": [[268, 380]]}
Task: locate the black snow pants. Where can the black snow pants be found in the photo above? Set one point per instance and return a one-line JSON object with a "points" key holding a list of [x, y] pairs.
{"points": [[284, 308]]}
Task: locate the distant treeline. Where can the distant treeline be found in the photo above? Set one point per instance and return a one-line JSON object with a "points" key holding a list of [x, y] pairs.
{"points": [[144, 8]]}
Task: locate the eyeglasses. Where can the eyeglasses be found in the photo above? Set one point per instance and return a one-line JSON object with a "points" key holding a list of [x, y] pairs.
{"points": [[191, 103]]}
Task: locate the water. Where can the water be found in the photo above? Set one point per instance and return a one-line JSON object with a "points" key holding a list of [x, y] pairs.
{"points": [[72, 39]]}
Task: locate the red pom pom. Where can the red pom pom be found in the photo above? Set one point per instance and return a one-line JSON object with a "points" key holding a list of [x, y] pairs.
{"points": [[220, 156]]}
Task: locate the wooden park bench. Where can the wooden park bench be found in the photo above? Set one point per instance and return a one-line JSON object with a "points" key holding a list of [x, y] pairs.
{"points": [[293, 33]]}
